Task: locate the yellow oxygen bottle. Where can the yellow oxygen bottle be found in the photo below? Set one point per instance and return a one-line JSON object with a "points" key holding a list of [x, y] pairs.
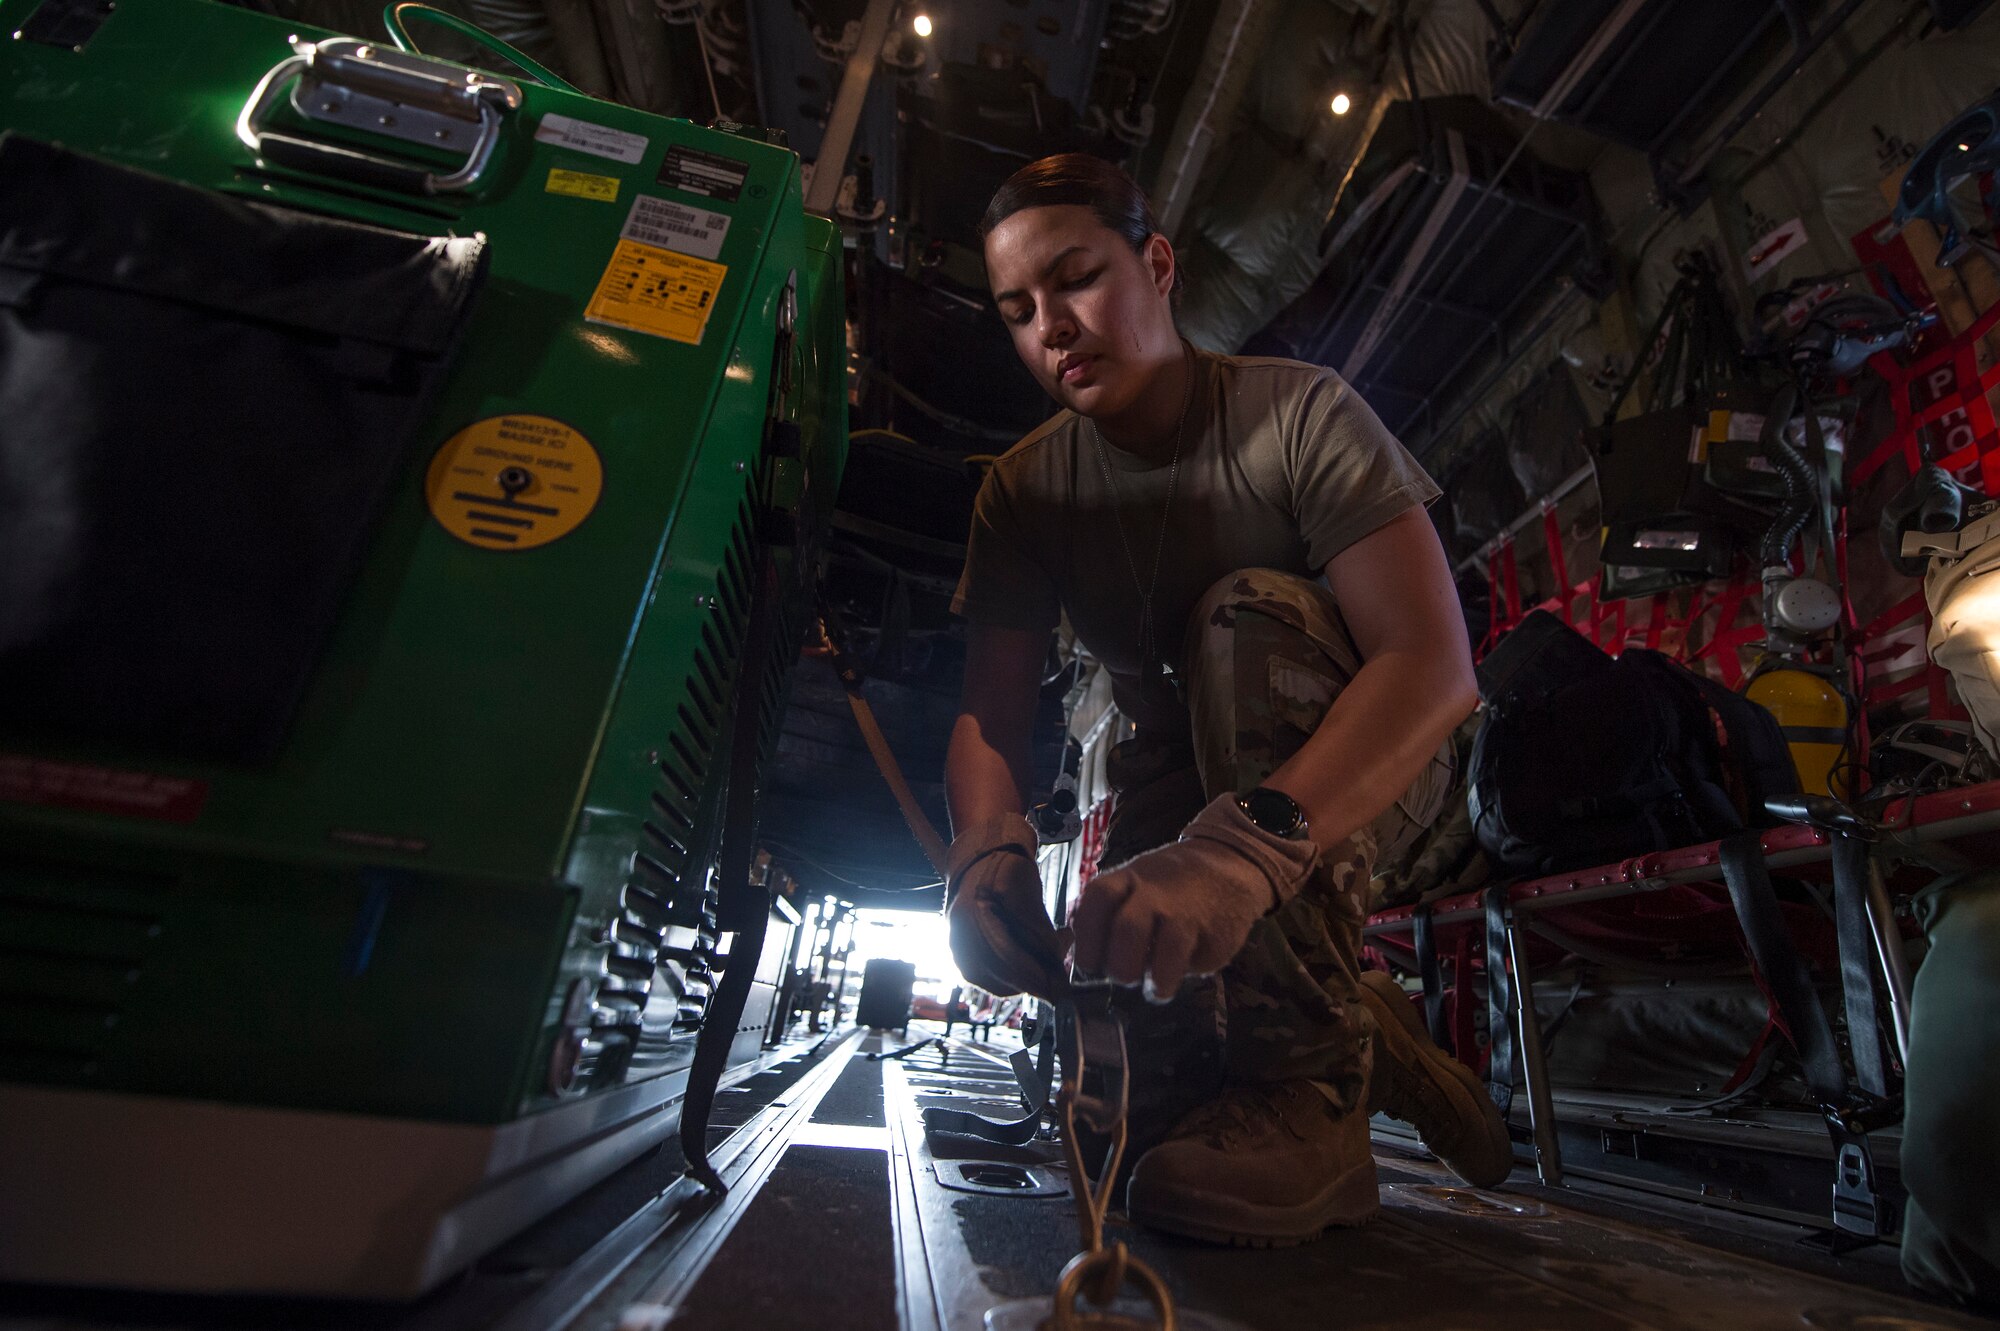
{"points": [[1814, 718]]}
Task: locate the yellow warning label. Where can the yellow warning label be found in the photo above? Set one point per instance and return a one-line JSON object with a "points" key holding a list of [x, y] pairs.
{"points": [[651, 290], [583, 185], [513, 482]]}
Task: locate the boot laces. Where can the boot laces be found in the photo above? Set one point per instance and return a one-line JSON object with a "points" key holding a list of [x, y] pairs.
{"points": [[1243, 1113], [1414, 1097]]}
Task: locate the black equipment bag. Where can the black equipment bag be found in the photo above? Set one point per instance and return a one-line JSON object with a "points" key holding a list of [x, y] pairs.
{"points": [[204, 404], [1583, 759]]}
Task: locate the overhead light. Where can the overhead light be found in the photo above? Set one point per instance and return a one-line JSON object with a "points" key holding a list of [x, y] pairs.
{"points": [[922, 23], [1341, 103]]}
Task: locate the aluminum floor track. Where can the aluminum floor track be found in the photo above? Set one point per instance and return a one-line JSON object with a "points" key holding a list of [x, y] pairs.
{"points": [[842, 1217]]}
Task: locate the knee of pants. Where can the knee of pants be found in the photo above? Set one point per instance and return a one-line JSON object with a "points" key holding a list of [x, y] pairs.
{"points": [[1299, 603], [1265, 655], [1950, 1154], [1312, 657]]}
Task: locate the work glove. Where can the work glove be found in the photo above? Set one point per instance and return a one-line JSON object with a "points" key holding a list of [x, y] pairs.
{"points": [[1001, 935], [1186, 909]]}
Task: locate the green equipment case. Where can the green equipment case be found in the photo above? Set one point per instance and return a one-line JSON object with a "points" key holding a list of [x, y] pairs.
{"points": [[395, 461]]}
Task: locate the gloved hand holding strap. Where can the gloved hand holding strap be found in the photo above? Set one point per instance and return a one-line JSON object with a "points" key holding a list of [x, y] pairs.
{"points": [[1285, 864], [1007, 831], [1186, 908], [1001, 935]]}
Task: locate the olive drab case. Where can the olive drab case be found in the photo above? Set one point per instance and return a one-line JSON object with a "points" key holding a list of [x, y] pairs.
{"points": [[389, 456]]}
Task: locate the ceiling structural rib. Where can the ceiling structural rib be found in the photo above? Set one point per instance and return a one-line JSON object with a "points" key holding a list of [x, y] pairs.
{"points": [[1805, 43], [1237, 39], [1586, 59], [831, 164], [1258, 229], [1415, 259], [1378, 106]]}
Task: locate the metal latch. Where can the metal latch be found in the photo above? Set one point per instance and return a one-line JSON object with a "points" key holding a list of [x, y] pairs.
{"points": [[1857, 1207], [362, 85]]}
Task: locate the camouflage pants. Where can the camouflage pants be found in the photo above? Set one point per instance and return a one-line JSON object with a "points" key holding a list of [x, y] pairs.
{"points": [[1266, 654], [1951, 1227]]}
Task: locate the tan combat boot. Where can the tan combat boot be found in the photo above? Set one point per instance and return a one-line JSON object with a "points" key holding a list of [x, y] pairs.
{"points": [[1261, 1166], [1422, 1085]]}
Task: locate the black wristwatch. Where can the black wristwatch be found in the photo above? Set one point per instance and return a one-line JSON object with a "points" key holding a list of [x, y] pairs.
{"points": [[1275, 812]]}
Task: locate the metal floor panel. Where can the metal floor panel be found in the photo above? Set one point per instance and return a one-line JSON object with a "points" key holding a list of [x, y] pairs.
{"points": [[1440, 1255], [833, 1221]]}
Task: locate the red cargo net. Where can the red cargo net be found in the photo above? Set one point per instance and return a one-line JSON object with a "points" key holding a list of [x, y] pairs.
{"points": [[1091, 842], [1707, 628], [1943, 392], [1954, 392]]}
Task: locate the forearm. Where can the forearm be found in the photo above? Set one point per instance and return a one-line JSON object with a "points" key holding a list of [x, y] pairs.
{"points": [[985, 775], [1375, 739], [1001, 934]]}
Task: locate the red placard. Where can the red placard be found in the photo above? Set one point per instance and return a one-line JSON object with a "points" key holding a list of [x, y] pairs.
{"points": [[93, 789]]}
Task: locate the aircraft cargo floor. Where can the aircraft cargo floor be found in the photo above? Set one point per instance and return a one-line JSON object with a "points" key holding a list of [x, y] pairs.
{"points": [[840, 1216]]}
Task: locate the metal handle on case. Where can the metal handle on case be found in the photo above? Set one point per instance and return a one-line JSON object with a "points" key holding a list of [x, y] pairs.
{"points": [[367, 73]]}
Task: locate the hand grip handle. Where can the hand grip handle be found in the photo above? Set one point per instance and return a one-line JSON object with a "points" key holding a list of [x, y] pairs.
{"points": [[359, 167]]}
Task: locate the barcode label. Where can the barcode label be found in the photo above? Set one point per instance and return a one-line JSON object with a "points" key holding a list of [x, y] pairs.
{"points": [[597, 140], [671, 226]]}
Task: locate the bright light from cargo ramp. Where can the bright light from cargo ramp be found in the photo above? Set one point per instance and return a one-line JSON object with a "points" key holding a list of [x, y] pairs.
{"points": [[919, 937], [1341, 103], [922, 23]]}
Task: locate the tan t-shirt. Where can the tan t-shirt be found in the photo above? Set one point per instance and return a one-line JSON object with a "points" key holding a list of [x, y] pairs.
{"points": [[1283, 466]]}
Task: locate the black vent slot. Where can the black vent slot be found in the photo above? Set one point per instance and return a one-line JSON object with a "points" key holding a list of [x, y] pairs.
{"points": [[712, 655], [678, 783], [661, 879], [698, 723], [71, 950], [674, 814], [664, 845], [669, 902], [642, 908], [632, 962], [705, 688]]}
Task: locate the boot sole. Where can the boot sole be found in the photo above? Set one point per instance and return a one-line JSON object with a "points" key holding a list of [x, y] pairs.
{"points": [[1351, 1199], [1499, 1146]]}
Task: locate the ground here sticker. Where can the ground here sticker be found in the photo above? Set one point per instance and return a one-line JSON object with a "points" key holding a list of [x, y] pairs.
{"points": [[656, 291], [513, 482], [673, 226]]}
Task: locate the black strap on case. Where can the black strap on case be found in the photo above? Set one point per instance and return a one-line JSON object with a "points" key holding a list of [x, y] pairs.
{"points": [[1858, 1208], [1500, 1000], [1424, 941]]}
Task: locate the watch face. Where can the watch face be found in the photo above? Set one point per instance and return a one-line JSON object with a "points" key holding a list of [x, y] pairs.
{"points": [[1274, 811]]}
